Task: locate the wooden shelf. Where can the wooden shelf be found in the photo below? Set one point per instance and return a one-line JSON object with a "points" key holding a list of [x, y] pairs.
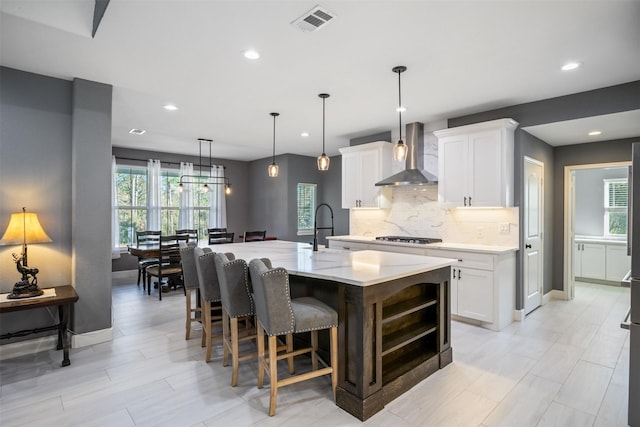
{"points": [[395, 311], [405, 364], [406, 336]]}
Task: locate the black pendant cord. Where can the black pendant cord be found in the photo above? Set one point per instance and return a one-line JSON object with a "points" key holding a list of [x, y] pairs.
{"points": [[210, 165], [323, 100], [273, 158], [399, 107]]}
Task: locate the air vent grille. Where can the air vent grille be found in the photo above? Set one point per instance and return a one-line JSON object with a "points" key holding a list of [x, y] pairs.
{"points": [[314, 19]]}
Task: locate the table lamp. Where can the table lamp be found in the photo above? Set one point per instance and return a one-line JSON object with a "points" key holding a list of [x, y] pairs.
{"points": [[24, 228]]}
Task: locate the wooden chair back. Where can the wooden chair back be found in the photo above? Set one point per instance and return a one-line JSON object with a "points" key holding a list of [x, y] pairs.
{"points": [[219, 238], [254, 236], [192, 234]]}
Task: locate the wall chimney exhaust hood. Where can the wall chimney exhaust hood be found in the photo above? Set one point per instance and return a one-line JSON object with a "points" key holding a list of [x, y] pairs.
{"points": [[414, 174]]}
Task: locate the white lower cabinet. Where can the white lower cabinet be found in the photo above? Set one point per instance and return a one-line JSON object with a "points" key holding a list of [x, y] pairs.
{"points": [[482, 286], [601, 260], [475, 293]]}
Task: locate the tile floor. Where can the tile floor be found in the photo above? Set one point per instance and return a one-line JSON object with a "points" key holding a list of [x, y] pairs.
{"points": [[565, 365]]}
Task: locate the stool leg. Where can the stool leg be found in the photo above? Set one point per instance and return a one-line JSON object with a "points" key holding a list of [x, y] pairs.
{"points": [[334, 360], [226, 337], [207, 322], [260, 342], [273, 374], [188, 324], [234, 351], [289, 340]]}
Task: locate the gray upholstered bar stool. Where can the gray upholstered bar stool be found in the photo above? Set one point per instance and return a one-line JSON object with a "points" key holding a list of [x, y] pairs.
{"points": [[190, 280], [278, 314], [209, 295], [237, 304]]}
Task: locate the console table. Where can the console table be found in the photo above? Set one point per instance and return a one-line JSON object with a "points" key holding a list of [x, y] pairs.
{"points": [[64, 298]]}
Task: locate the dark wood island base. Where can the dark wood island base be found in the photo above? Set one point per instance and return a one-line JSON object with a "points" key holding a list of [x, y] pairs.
{"points": [[391, 335]]}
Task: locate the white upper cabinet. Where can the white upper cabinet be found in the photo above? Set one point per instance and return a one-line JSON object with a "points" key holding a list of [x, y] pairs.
{"points": [[362, 166], [475, 164]]}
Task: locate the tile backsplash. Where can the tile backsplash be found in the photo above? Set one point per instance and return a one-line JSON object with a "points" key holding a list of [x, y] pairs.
{"points": [[414, 211]]}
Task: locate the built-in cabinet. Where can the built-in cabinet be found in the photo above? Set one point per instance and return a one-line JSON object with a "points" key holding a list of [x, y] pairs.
{"points": [[362, 166], [475, 164], [600, 260], [482, 285]]}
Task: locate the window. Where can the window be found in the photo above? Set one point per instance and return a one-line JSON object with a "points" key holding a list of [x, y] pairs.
{"points": [[131, 200], [306, 202], [616, 195]]}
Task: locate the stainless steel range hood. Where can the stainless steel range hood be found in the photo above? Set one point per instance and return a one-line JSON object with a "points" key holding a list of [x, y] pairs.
{"points": [[414, 174]]}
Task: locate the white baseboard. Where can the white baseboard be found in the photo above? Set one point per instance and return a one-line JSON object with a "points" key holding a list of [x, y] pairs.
{"points": [[518, 315], [21, 348], [125, 274], [90, 338], [553, 294]]}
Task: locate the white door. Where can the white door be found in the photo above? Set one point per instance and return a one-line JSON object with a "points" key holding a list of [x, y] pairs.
{"points": [[533, 237]]}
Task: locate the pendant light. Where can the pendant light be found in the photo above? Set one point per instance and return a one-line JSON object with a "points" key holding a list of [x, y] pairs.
{"points": [[273, 168], [323, 160], [399, 149]]}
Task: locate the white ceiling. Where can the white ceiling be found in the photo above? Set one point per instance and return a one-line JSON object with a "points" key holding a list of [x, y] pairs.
{"points": [[462, 57]]}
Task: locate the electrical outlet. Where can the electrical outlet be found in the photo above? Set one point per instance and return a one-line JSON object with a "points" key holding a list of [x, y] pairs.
{"points": [[504, 228]]}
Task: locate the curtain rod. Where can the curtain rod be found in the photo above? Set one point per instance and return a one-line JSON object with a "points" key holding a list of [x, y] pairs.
{"points": [[163, 161]]}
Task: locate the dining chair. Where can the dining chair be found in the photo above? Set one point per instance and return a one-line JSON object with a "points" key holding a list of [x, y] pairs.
{"points": [[279, 314], [169, 266], [216, 238], [143, 238], [209, 296], [190, 281], [191, 233], [254, 236]]}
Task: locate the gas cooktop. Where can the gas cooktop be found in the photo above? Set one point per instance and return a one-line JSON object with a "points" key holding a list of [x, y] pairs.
{"points": [[409, 239]]}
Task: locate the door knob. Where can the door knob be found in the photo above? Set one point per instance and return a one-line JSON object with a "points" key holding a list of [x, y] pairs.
{"points": [[527, 246]]}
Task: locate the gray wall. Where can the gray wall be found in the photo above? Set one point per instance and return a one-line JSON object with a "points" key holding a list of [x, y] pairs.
{"points": [[589, 198], [43, 122], [273, 200], [607, 100]]}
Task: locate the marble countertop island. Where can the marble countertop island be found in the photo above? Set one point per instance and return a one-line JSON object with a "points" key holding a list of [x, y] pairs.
{"points": [[394, 320], [361, 268]]}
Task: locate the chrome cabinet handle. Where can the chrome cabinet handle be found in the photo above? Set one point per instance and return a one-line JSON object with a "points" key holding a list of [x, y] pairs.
{"points": [[465, 201], [469, 200], [454, 273]]}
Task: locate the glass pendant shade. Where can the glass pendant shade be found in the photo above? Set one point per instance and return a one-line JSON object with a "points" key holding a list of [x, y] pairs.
{"points": [[273, 170], [227, 189], [400, 151], [205, 188], [323, 162]]}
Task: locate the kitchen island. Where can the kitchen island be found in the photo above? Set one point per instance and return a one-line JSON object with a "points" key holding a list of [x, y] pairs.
{"points": [[393, 313]]}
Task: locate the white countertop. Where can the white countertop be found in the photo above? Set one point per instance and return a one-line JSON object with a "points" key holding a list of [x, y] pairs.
{"points": [[490, 249], [600, 239], [361, 268]]}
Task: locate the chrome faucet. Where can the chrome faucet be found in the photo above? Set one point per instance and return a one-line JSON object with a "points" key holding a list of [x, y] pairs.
{"points": [[316, 228]]}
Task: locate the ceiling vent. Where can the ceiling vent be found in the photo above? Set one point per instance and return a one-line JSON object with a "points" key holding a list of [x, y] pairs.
{"points": [[314, 19]]}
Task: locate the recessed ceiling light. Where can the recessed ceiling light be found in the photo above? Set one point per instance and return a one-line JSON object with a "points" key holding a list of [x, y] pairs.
{"points": [[571, 66], [170, 107], [594, 133], [304, 134], [251, 54], [135, 131]]}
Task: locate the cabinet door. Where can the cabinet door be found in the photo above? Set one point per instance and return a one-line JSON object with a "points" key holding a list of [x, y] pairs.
{"points": [[453, 169], [593, 260], [485, 169], [369, 175], [618, 262], [350, 179], [475, 294]]}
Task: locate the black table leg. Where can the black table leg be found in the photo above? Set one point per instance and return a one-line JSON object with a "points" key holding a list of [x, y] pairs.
{"points": [[63, 336]]}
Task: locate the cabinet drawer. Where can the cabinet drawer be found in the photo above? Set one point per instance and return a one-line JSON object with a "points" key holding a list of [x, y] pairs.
{"points": [[399, 249], [466, 259], [348, 246]]}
